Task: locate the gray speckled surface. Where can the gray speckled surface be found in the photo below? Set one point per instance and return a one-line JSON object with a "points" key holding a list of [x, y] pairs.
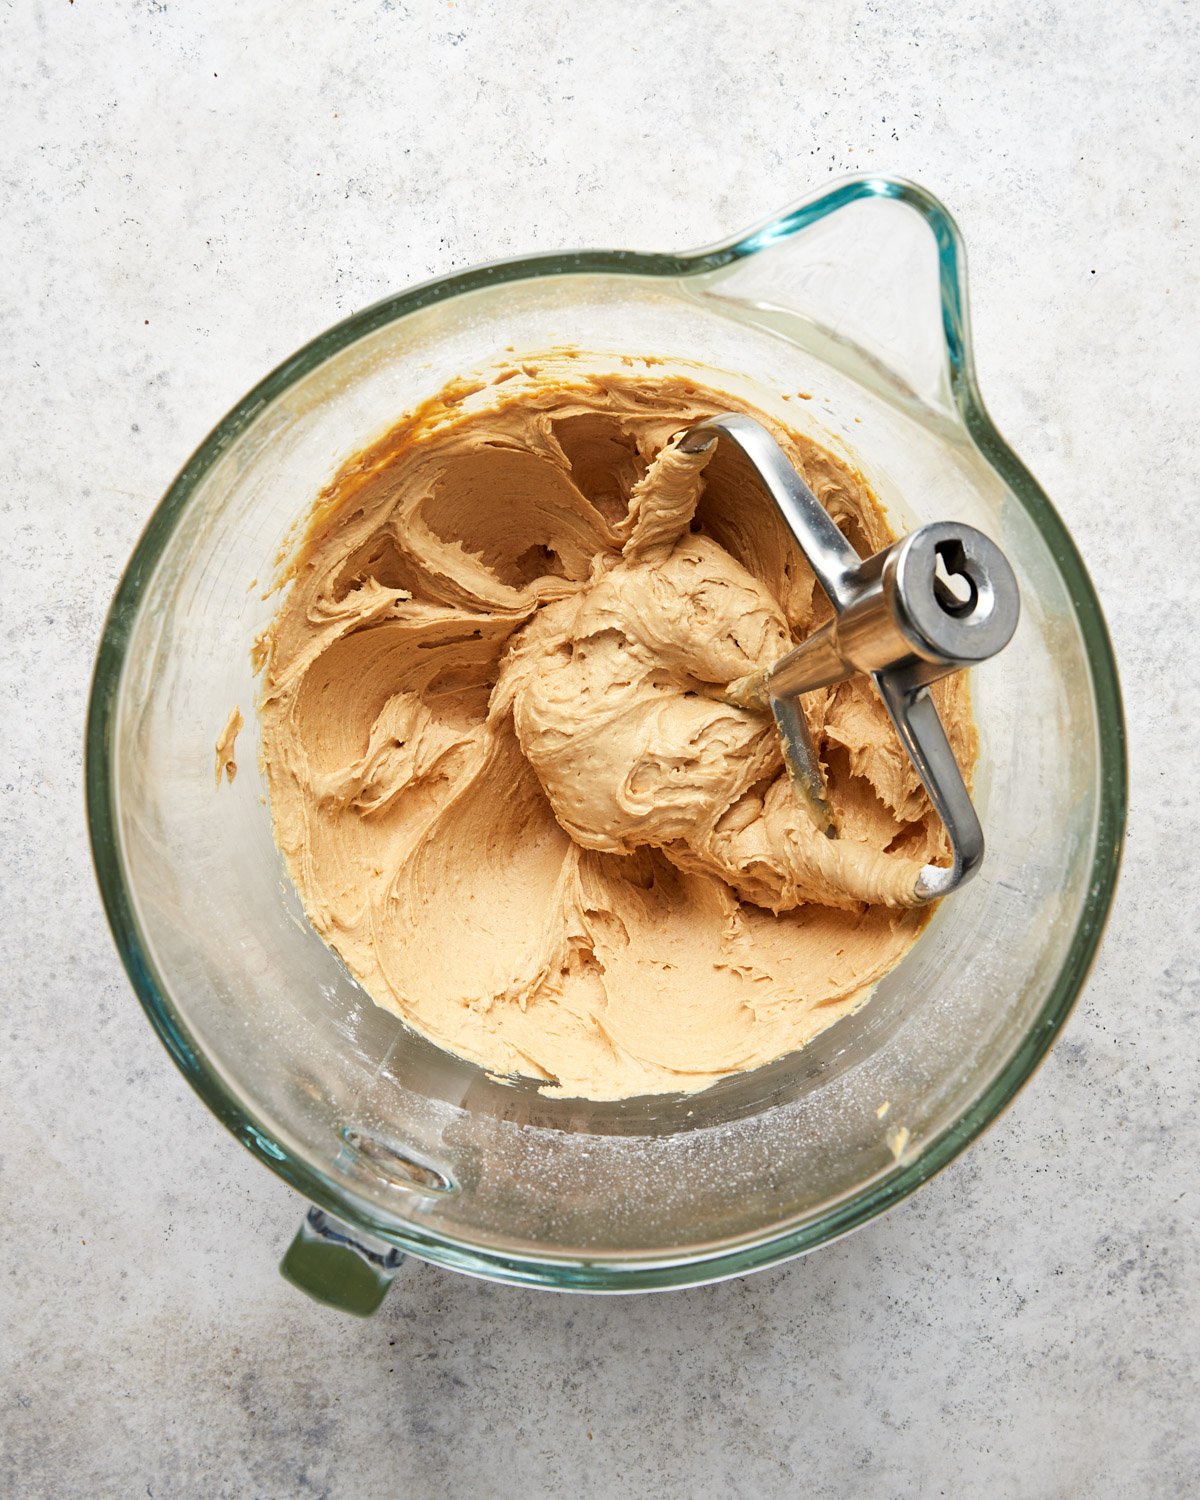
{"points": [[190, 191]]}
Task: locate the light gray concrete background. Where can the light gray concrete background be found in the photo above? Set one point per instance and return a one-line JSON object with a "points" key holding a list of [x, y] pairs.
{"points": [[192, 190]]}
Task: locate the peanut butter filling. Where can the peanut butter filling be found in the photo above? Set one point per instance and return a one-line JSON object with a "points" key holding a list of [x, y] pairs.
{"points": [[500, 767]]}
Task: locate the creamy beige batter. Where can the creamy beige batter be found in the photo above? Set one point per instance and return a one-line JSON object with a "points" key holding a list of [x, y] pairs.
{"points": [[500, 768], [226, 746]]}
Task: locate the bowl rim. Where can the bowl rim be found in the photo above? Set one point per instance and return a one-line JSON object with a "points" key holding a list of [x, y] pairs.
{"points": [[634, 1271]]}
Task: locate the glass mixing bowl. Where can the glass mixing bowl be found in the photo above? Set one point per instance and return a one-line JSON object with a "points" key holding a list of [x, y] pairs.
{"points": [[845, 317]]}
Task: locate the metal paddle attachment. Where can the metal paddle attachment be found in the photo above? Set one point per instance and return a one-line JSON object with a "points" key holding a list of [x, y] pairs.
{"points": [[938, 600]]}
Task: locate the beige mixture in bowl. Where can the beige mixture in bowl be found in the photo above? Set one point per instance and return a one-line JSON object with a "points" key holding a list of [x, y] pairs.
{"points": [[500, 767]]}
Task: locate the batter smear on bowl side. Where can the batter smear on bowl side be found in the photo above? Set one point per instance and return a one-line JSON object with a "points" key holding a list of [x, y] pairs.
{"points": [[500, 769]]}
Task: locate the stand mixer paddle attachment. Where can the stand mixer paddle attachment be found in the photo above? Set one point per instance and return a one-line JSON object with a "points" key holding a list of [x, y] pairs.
{"points": [[937, 601]]}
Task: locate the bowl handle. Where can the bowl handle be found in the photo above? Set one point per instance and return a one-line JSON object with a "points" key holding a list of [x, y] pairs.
{"points": [[870, 274], [340, 1266]]}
